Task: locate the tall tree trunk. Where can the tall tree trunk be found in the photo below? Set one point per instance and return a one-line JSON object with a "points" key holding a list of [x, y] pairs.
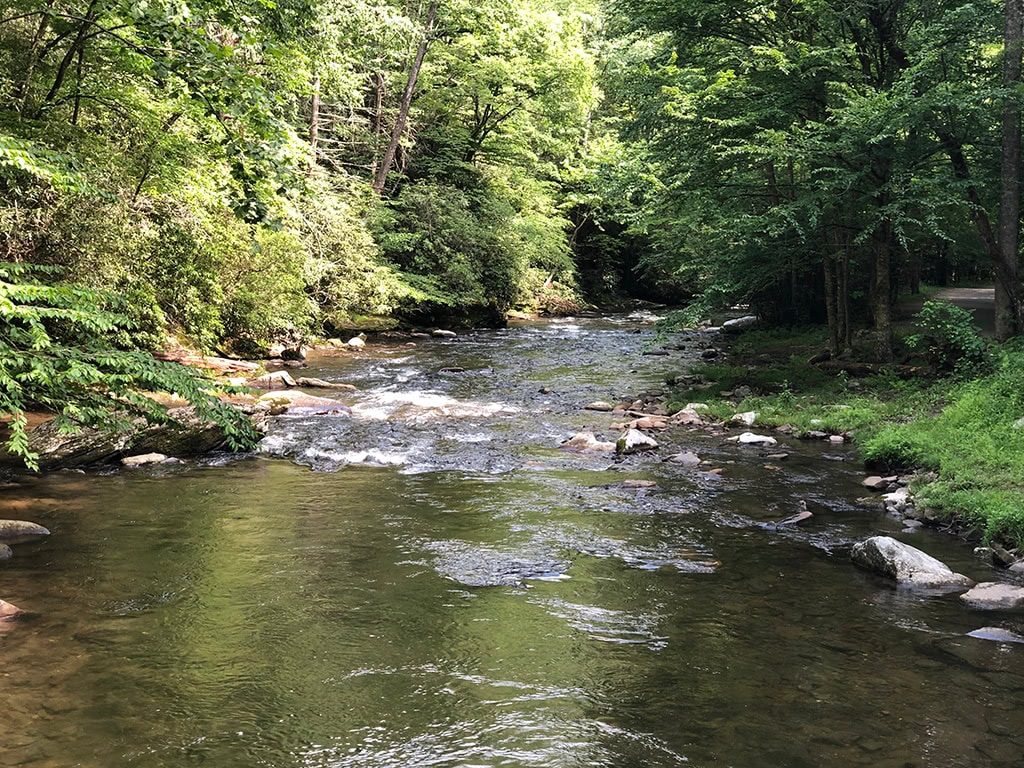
{"points": [[832, 305], [69, 55], [21, 96], [882, 290], [1008, 301], [406, 103], [76, 110], [314, 123]]}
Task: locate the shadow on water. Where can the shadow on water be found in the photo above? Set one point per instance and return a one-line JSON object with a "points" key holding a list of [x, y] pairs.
{"points": [[479, 598]]}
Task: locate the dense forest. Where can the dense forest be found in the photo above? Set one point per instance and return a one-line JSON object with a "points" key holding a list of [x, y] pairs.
{"points": [[230, 175]]}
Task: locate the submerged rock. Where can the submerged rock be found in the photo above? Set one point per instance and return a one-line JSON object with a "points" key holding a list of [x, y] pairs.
{"points": [[6, 553], [686, 458], [635, 441], [302, 401], [996, 635], [440, 333], [995, 596], [908, 565], [144, 460], [587, 442], [16, 529], [8, 611]]}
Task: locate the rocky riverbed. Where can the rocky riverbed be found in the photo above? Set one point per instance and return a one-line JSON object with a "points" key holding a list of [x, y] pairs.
{"points": [[472, 559]]}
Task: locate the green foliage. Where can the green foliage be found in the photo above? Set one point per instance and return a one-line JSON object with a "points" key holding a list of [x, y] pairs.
{"points": [[58, 353], [950, 341]]}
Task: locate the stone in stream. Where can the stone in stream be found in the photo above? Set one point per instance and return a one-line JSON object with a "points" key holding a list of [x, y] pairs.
{"points": [[996, 635], [6, 553], [749, 438], [295, 354], [687, 417], [908, 565], [143, 460], [356, 342], [275, 380], [302, 401], [649, 422], [686, 458], [1017, 567], [994, 596], [803, 514], [635, 441], [440, 333], [639, 484], [587, 442], [16, 529], [600, 405], [311, 383], [8, 611], [777, 456], [875, 483]]}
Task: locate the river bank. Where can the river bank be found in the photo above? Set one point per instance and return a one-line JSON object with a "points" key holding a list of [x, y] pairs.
{"points": [[961, 441]]}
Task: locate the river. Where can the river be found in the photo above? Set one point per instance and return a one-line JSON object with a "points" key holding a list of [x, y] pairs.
{"points": [[431, 582]]}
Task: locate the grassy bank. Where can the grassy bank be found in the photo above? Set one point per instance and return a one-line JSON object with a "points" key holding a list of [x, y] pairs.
{"points": [[963, 431]]}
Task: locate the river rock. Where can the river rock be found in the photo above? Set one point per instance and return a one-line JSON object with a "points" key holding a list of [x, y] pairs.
{"points": [[312, 383], [744, 419], [600, 406], [8, 611], [739, 324], [995, 596], [686, 458], [297, 353], [749, 438], [441, 333], [6, 553], [996, 635], [635, 441], [143, 460], [300, 400], [17, 529], [275, 380], [587, 442], [802, 515], [649, 422], [875, 483], [908, 565], [1017, 568], [356, 342], [687, 417]]}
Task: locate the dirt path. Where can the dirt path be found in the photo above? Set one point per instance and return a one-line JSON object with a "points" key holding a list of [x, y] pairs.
{"points": [[978, 301]]}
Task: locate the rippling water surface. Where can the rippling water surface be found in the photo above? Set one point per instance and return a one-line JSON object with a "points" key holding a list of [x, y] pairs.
{"points": [[433, 583]]}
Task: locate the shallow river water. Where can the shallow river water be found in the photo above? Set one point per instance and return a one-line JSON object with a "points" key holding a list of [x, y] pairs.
{"points": [[433, 583]]}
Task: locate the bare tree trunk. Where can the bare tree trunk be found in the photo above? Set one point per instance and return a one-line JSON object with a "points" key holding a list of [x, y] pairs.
{"points": [[406, 103], [314, 123], [832, 304], [21, 97], [1008, 300], [76, 110]]}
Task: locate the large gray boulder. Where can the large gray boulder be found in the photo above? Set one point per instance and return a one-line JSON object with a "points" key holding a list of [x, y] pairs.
{"points": [[995, 596], [740, 324], [20, 529], [907, 565]]}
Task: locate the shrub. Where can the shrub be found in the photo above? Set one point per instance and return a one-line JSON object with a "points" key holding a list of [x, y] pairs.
{"points": [[949, 340]]}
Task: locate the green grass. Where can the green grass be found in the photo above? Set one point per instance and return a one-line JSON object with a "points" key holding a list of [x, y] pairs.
{"points": [[963, 433]]}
